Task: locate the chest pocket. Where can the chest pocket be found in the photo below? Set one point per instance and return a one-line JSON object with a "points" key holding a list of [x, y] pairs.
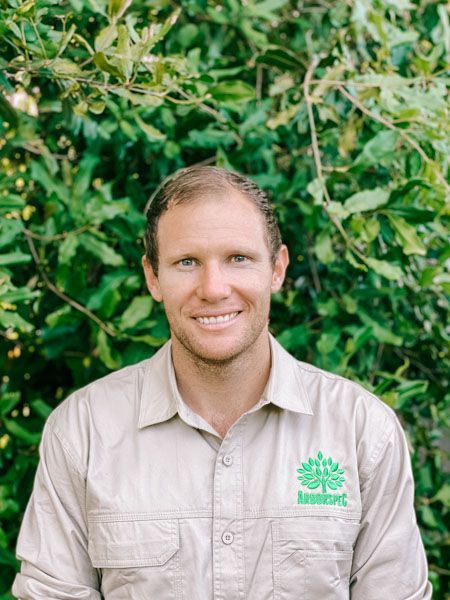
{"points": [[137, 558], [312, 558]]}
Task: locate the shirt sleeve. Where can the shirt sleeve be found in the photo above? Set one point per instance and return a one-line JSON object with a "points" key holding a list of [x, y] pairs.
{"points": [[389, 558], [52, 542]]}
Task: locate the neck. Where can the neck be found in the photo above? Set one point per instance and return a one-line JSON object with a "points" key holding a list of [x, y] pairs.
{"points": [[221, 392]]}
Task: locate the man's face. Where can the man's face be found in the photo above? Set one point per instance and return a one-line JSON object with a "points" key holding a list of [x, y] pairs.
{"points": [[215, 276]]}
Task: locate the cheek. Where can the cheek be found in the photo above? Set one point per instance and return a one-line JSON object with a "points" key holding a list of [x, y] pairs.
{"points": [[176, 291]]}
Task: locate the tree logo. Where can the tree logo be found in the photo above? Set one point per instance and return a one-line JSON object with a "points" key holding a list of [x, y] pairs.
{"points": [[321, 471]]}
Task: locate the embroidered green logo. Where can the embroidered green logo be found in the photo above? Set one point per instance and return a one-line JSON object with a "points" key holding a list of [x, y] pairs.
{"points": [[325, 474]]}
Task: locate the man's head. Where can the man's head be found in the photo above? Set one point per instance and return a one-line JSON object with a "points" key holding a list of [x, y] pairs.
{"points": [[214, 257], [194, 183]]}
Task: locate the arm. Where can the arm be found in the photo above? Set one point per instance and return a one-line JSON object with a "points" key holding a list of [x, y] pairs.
{"points": [[389, 559], [52, 543]]}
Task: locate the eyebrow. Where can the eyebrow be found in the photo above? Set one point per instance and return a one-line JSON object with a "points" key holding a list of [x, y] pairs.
{"points": [[236, 251]]}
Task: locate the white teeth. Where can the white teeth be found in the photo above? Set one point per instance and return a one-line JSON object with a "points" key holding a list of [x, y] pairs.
{"points": [[219, 319]]}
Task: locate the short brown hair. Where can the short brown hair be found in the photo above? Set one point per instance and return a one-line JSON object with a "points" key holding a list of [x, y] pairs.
{"points": [[196, 182]]}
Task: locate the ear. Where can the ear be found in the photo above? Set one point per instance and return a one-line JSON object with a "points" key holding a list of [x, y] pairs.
{"points": [[279, 269], [151, 280]]}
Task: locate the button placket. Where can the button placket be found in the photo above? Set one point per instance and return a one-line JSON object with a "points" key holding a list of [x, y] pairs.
{"points": [[227, 526]]}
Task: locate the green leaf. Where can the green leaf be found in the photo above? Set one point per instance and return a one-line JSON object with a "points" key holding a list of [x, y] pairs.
{"points": [[380, 332], [315, 188], [64, 66], [265, 8], [283, 117], [384, 268], [138, 310], [41, 408], [84, 175], [106, 352], [108, 286], [149, 340], [19, 295], [21, 433], [103, 64], [294, 337], [324, 249], [10, 229], [116, 8], [406, 236], [14, 258], [151, 132], [13, 320], [51, 185], [443, 495], [366, 200], [210, 138], [123, 56], [103, 251], [99, 209], [235, 91], [8, 401], [282, 58], [105, 38], [68, 249], [11, 202], [379, 150], [328, 341]]}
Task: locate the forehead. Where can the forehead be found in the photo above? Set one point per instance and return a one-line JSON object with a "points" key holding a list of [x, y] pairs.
{"points": [[212, 218]]}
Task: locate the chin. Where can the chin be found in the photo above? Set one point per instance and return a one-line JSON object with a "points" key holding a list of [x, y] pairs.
{"points": [[215, 356], [217, 353]]}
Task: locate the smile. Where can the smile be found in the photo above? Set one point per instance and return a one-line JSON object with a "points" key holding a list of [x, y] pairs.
{"points": [[216, 320]]}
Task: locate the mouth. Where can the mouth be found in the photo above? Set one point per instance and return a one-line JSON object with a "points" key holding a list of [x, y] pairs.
{"points": [[218, 319]]}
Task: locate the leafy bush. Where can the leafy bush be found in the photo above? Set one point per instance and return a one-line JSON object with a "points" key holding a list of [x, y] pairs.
{"points": [[338, 109]]}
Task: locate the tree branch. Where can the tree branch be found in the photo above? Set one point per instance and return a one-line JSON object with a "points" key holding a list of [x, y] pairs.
{"points": [[59, 236], [401, 132], [52, 287], [318, 161]]}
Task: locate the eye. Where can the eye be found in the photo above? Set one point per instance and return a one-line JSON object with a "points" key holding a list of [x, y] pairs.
{"points": [[186, 262], [239, 258]]}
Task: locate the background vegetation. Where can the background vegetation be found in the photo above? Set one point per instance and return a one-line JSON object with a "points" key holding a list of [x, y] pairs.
{"points": [[338, 109]]}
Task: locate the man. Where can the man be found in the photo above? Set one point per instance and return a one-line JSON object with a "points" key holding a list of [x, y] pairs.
{"points": [[221, 468]]}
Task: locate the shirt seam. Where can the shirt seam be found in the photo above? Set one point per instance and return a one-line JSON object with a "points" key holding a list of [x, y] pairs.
{"points": [[70, 454], [371, 476], [367, 472]]}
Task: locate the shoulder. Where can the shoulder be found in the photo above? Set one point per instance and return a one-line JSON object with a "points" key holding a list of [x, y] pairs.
{"points": [[107, 408], [114, 392]]}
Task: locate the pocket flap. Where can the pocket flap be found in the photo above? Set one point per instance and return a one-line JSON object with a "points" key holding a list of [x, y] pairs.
{"points": [[316, 535], [132, 543]]}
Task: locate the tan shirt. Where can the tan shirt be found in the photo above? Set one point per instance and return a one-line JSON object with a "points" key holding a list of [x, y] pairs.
{"points": [[308, 496]]}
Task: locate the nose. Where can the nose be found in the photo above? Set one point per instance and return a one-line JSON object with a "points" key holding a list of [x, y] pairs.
{"points": [[213, 284]]}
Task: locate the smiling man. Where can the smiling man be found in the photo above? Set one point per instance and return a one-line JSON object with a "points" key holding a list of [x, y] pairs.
{"points": [[221, 468]]}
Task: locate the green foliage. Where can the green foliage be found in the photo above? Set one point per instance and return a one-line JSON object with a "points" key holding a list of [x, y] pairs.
{"points": [[339, 110]]}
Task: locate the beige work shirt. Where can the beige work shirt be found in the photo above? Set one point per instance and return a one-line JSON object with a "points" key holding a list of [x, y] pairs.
{"points": [[309, 496]]}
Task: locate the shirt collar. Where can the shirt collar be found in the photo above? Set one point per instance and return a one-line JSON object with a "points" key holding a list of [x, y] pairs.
{"points": [[160, 399]]}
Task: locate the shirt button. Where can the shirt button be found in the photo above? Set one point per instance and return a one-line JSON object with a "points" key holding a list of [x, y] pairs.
{"points": [[227, 460], [227, 537]]}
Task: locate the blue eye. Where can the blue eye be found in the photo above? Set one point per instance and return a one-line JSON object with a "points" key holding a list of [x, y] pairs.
{"points": [[239, 258], [186, 262]]}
